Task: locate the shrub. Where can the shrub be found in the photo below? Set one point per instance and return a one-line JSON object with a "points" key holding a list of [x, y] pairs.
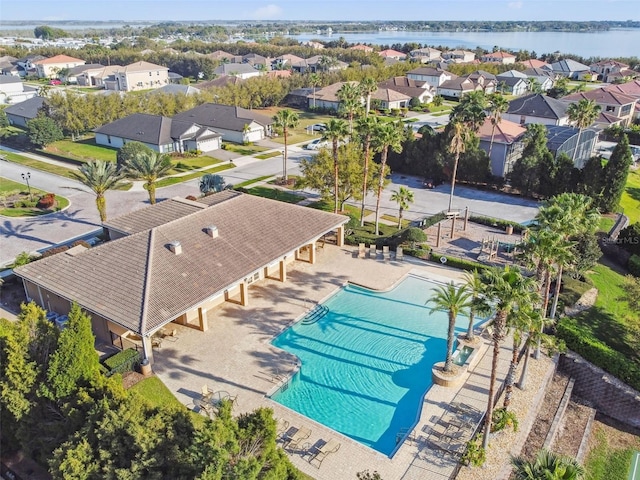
{"points": [[599, 353], [414, 235], [497, 222], [460, 263], [25, 203], [46, 201], [474, 455], [634, 265], [125, 361], [503, 418]]}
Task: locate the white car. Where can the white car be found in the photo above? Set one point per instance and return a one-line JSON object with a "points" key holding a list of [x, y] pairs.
{"points": [[317, 144]]}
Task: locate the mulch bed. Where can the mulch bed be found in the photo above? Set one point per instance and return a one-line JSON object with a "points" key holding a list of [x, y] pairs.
{"points": [[129, 379]]}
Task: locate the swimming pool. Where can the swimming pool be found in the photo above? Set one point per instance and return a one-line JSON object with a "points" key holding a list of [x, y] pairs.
{"points": [[366, 360]]}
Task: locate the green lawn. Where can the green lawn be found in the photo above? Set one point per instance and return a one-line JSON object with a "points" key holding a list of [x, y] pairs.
{"points": [[630, 201], [83, 150], [192, 163], [38, 165], [165, 182], [243, 149], [252, 181], [264, 156], [606, 224], [7, 185], [275, 194], [610, 458]]}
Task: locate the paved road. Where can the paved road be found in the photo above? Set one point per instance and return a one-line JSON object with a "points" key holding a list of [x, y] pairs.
{"points": [[81, 217]]}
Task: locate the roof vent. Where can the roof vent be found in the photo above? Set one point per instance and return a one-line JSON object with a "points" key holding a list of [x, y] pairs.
{"points": [[212, 231], [175, 247]]}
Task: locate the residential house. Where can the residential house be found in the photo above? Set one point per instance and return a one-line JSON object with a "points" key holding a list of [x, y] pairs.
{"points": [[173, 89], [312, 44], [456, 88], [52, 67], [507, 146], [221, 81], [26, 65], [392, 54], [240, 70], [458, 56], [432, 76], [99, 77], [617, 104], [327, 97], [285, 61], [564, 139], [534, 63], [300, 98], [318, 63], [73, 75], [537, 108], [610, 70], [19, 114], [257, 61], [176, 261], [162, 134], [362, 48], [389, 99], [13, 90], [413, 88], [484, 81], [235, 124], [504, 58], [175, 78], [512, 85], [9, 66], [631, 89], [138, 76], [544, 79], [224, 57], [571, 69], [425, 55]]}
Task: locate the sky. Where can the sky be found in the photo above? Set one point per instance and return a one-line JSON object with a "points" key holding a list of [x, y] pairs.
{"points": [[185, 10]]}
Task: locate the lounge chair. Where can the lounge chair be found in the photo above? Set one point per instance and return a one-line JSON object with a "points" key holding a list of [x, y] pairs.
{"points": [[319, 453], [399, 254], [281, 426], [296, 437], [454, 449], [385, 253], [361, 250]]}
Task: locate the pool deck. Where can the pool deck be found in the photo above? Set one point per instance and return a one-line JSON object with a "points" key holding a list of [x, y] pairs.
{"points": [[235, 356]]}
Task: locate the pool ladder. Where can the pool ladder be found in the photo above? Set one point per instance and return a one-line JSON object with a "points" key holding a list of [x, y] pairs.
{"points": [[315, 314]]}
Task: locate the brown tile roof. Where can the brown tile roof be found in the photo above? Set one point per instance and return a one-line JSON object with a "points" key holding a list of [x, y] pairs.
{"points": [[59, 59], [330, 92], [137, 282], [392, 53], [534, 63], [389, 95], [506, 132], [630, 88], [600, 96]]}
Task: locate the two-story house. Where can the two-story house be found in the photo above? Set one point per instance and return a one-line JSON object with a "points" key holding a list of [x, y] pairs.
{"points": [[138, 76], [13, 90], [611, 70], [432, 76], [611, 103], [537, 108], [425, 55], [459, 56], [51, 67]]}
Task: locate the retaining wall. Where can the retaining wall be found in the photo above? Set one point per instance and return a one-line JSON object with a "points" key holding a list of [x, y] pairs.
{"points": [[606, 393]]}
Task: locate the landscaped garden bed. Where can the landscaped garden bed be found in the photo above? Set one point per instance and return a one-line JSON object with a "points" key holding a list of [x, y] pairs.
{"points": [[18, 201]]}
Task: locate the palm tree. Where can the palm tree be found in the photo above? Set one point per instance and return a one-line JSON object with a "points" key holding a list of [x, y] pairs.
{"points": [[471, 110], [283, 121], [368, 86], [336, 131], [497, 106], [366, 127], [582, 115], [350, 101], [387, 135], [99, 176], [534, 324], [479, 305], [314, 80], [403, 197], [454, 300], [457, 147], [211, 183], [149, 166], [547, 466], [505, 289]]}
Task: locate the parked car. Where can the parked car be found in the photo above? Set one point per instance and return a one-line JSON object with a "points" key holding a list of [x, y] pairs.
{"points": [[317, 127], [55, 81], [317, 144]]}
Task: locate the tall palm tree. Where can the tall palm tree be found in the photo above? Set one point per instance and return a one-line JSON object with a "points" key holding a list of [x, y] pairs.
{"points": [[283, 121], [149, 166], [497, 106], [453, 300], [505, 289], [534, 324], [456, 147], [387, 136], [335, 132], [365, 127], [403, 197], [314, 80], [368, 86], [582, 115], [479, 305], [99, 176], [547, 466], [350, 101], [471, 110]]}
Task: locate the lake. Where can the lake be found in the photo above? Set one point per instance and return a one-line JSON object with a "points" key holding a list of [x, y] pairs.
{"points": [[612, 43]]}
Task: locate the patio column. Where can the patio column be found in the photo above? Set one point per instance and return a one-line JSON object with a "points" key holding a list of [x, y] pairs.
{"points": [[202, 319], [244, 294], [147, 350], [340, 236], [283, 270], [312, 253]]}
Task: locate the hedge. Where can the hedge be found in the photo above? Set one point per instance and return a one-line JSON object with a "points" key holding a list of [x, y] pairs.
{"points": [[598, 353], [124, 361], [497, 222], [460, 263], [634, 265]]}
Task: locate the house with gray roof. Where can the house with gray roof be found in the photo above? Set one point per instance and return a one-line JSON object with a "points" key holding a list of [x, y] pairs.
{"points": [[412, 88], [20, 113], [537, 108], [572, 69], [13, 90], [162, 134], [235, 124], [432, 76], [73, 74], [240, 70], [176, 261]]}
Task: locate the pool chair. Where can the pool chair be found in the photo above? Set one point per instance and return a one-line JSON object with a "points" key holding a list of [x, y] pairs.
{"points": [[361, 250], [321, 450], [399, 254], [385, 253], [281, 427], [293, 438], [373, 252]]}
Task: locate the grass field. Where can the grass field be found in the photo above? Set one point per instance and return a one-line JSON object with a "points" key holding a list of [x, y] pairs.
{"points": [[165, 182], [630, 201], [264, 156], [83, 150], [610, 453], [244, 149], [7, 186], [275, 194], [38, 165]]}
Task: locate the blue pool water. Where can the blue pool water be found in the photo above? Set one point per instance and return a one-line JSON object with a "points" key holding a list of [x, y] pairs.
{"points": [[366, 363]]}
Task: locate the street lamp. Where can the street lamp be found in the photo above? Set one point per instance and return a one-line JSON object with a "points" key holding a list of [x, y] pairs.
{"points": [[26, 177], [284, 168]]}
